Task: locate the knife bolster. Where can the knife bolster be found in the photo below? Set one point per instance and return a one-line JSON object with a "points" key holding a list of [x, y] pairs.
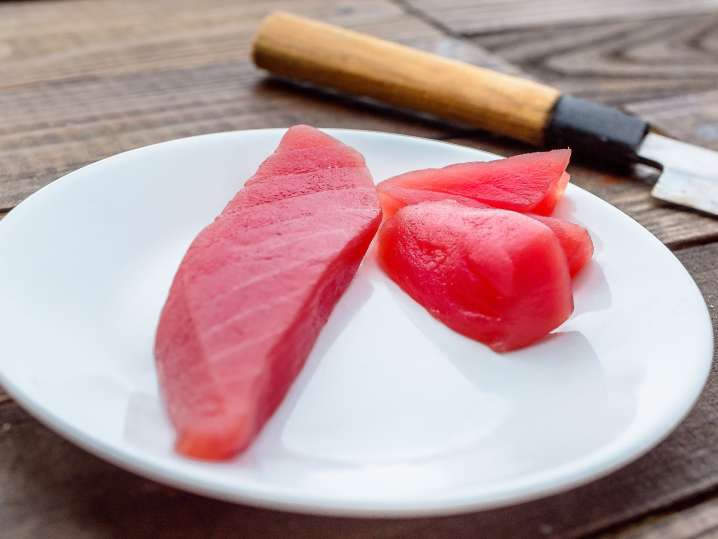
{"points": [[595, 131]]}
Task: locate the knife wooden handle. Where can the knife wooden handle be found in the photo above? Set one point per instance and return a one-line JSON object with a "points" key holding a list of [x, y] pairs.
{"points": [[304, 49]]}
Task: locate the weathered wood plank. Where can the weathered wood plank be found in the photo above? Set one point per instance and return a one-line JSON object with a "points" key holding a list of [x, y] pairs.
{"points": [[700, 520], [49, 487], [696, 522], [106, 38], [619, 61], [69, 125], [690, 117], [103, 38], [475, 16], [117, 76]]}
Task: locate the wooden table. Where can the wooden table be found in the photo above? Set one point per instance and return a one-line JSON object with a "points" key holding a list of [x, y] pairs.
{"points": [[81, 80]]}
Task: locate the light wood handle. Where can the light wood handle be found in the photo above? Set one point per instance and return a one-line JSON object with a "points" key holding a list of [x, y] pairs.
{"points": [[304, 49]]}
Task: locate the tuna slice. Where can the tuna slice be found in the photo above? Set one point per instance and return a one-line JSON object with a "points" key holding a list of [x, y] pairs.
{"points": [[574, 239], [533, 182], [255, 288], [496, 276]]}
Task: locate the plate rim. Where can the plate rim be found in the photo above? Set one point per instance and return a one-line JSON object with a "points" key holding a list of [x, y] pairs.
{"points": [[561, 478]]}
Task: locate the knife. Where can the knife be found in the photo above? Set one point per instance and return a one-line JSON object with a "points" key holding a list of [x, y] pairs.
{"points": [[304, 49]]}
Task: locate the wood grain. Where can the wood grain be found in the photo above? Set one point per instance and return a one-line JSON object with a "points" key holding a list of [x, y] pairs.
{"points": [[700, 521], [49, 487], [478, 16], [115, 77], [619, 61], [38, 43], [690, 117]]}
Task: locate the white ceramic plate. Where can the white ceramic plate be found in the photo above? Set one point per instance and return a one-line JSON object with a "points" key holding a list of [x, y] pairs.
{"points": [[394, 414]]}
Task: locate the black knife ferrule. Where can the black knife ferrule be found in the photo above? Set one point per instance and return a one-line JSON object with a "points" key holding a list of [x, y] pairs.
{"points": [[594, 131]]}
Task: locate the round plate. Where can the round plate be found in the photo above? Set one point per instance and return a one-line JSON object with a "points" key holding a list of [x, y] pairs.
{"points": [[394, 414]]}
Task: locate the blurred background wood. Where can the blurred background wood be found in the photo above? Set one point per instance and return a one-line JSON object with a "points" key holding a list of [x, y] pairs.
{"points": [[81, 80]]}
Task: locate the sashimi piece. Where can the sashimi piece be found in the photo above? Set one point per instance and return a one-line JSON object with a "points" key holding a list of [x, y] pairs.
{"points": [[255, 288], [532, 182], [574, 239], [496, 276], [555, 193]]}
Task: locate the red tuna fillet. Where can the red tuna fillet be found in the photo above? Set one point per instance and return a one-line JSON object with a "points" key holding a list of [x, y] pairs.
{"points": [[574, 239], [496, 276], [532, 182], [255, 288]]}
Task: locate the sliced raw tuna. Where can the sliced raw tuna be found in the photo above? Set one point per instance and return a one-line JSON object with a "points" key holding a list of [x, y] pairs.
{"points": [[533, 182], [574, 239], [255, 288], [496, 276]]}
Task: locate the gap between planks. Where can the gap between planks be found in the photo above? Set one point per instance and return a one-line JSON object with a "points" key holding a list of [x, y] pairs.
{"points": [[687, 518], [422, 15]]}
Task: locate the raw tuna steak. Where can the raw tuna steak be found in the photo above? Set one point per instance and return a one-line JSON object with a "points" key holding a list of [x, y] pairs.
{"points": [[533, 182], [255, 288], [574, 239], [496, 276]]}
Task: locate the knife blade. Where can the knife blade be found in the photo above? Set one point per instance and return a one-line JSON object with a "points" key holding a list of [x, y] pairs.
{"points": [[689, 175], [326, 55]]}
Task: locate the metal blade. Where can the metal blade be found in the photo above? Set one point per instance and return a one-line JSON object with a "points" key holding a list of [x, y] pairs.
{"points": [[690, 173]]}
